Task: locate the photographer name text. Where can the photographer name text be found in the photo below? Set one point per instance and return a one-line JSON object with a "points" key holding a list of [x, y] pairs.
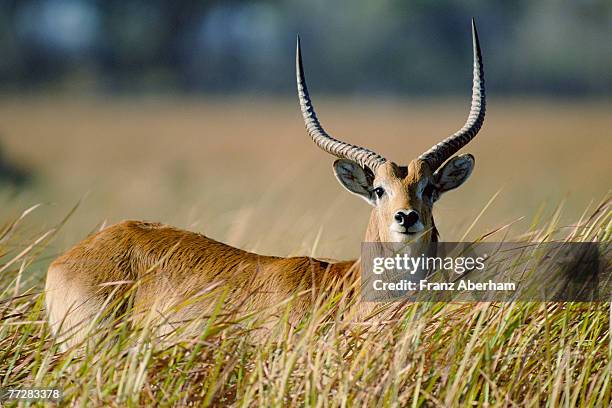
{"points": [[425, 285]]}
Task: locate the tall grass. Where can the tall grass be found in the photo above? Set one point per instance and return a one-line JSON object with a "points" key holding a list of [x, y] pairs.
{"points": [[422, 354]]}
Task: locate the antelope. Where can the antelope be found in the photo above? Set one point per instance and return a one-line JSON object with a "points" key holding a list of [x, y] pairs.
{"points": [[180, 263]]}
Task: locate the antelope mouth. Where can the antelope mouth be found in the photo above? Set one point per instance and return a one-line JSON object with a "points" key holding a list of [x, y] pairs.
{"points": [[407, 233], [406, 236], [416, 229]]}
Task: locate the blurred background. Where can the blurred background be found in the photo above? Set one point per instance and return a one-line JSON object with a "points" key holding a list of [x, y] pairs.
{"points": [[387, 47], [184, 112]]}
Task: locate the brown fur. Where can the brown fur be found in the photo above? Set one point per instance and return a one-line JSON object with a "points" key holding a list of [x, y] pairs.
{"points": [[402, 181], [172, 265], [170, 269]]}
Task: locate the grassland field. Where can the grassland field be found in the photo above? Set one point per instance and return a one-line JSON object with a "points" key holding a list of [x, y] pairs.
{"points": [[243, 171]]}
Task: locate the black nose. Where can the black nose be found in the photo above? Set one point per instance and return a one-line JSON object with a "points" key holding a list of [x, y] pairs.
{"points": [[408, 219]]}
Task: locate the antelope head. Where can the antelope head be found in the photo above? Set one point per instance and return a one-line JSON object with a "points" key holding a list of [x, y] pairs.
{"points": [[402, 197]]}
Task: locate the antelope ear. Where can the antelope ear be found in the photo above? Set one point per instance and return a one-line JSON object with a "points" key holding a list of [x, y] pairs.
{"points": [[454, 173], [355, 179]]}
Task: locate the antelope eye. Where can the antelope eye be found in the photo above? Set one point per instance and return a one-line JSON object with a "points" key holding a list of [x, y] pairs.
{"points": [[379, 191]]}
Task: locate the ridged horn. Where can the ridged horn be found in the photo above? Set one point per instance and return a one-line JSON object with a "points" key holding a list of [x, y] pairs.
{"points": [[441, 152], [363, 156]]}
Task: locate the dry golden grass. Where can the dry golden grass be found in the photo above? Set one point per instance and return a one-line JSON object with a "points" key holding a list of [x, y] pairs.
{"points": [[424, 354]]}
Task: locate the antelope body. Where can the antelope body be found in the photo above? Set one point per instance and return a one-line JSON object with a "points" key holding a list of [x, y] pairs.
{"points": [[173, 265]]}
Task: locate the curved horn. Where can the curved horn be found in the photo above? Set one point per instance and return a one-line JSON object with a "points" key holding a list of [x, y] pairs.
{"points": [[363, 156], [439, 153]]}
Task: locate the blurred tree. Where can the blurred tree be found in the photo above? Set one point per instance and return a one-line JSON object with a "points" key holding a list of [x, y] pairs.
{"points": [[11, 173], [384, 46]]}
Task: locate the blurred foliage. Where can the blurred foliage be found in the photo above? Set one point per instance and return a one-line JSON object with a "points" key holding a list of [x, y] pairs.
{"points": [[388, 47], [11, 173]]}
